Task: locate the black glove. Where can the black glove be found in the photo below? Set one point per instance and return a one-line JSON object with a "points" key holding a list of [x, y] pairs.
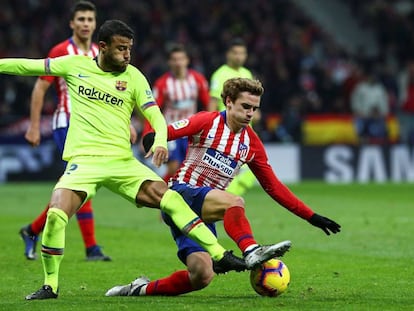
{"points": [[148, 141], [325, 224]]}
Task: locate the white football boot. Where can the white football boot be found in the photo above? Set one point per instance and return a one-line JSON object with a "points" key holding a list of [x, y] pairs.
{"points": [[262, 253], [132, 289]]}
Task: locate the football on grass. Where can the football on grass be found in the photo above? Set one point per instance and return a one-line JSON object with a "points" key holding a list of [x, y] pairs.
{"points": [[271, 278]]}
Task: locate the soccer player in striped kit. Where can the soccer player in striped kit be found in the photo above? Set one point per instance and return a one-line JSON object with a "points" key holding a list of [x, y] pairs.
{"points": [[219, 144], [179, 93], [83, 24]]}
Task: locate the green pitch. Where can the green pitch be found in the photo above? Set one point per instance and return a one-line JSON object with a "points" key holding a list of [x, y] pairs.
{"points": [[368, 266]]}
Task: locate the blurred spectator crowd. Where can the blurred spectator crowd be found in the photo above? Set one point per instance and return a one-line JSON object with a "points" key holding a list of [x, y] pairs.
{"points": [[303, 69]]}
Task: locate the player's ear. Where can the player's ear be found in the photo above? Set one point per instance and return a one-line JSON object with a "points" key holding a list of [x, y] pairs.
{"points": [[228, 101], [102, 45]]}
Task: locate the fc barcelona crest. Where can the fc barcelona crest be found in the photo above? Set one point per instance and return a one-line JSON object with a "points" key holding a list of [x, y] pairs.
{"points": [[121, 85]]}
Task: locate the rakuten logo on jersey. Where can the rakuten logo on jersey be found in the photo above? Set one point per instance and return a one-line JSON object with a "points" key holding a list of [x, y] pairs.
{"points": [[219, 161], [94, 94]]}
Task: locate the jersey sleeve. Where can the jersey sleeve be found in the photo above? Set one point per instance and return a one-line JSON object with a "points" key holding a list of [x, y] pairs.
{"points": [[24, 66], [273, 186], [151, 112], [56, 51], [190, 126]]}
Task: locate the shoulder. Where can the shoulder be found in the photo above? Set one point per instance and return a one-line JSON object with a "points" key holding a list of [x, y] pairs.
{"points": [[247, 73], [219, 70], [72, 58], [198, 76], [59, 49], [135, 73], [205, 116], [254, 138], [161, 79]]}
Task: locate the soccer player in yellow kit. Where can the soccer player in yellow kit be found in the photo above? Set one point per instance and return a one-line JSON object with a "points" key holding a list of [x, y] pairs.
{"points": [[236, 55], [104, 92]]}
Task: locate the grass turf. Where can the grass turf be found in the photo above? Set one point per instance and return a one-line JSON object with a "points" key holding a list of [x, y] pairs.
{"points": [[368, 266]]}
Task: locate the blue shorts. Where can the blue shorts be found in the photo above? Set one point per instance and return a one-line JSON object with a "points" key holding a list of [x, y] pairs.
{"points": [[177, 149], [194, 196], [59, 135]]}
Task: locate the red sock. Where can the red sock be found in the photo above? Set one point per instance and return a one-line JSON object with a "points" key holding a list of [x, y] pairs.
{"points": [[176, 284], [238, 227], [86, 224], [39, 223]]}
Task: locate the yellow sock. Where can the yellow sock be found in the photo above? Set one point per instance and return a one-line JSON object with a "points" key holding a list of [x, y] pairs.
{"points": [[190, 224], [242, 182], [53, 244]]}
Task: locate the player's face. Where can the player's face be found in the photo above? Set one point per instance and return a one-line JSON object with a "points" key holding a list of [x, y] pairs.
{"points": [[83, 25], [117, 54], [236, 56], [178, 63], [240, 112]]}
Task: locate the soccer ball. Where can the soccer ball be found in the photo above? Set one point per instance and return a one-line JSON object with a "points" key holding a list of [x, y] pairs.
{"points": [[271, 278]]}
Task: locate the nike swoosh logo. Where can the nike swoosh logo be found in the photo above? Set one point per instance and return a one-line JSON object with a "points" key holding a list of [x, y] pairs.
{"points": [[82, 76], [210, 136]]}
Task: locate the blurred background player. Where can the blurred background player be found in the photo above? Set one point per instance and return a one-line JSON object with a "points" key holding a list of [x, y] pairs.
{"points": [[83, 24], [180, 93], [236, 56]]}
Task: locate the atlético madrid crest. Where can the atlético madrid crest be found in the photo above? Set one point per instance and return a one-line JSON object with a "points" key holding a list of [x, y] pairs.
{"points": [[121, 85]]}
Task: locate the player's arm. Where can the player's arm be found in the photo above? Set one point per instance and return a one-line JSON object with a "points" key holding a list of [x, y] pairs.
{"points": [[36, 104], [24, 66], [280, 193], [159, 146], [190, 126], [58, 66], [181, 128]]}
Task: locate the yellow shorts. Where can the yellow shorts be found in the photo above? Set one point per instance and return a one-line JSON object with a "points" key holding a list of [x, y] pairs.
{"points": [[122, 176]]}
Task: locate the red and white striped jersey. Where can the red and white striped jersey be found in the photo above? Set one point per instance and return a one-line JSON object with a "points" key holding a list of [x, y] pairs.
{"points": [[178, 98], [215, 155], [62, 112]]}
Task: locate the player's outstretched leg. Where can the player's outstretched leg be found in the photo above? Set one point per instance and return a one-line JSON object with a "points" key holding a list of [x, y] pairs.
{"points": [[136, 288], [262, 253]]}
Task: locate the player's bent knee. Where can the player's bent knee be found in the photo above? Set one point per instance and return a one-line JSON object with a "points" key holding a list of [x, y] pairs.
{"points": [[234, 200], [239, 201], [151, 193], [56, 218]]}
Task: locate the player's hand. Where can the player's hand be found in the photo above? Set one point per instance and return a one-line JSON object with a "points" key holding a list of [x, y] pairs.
{"points": [[33, 136], [325, 224], [160, 156], [148, 141]]}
